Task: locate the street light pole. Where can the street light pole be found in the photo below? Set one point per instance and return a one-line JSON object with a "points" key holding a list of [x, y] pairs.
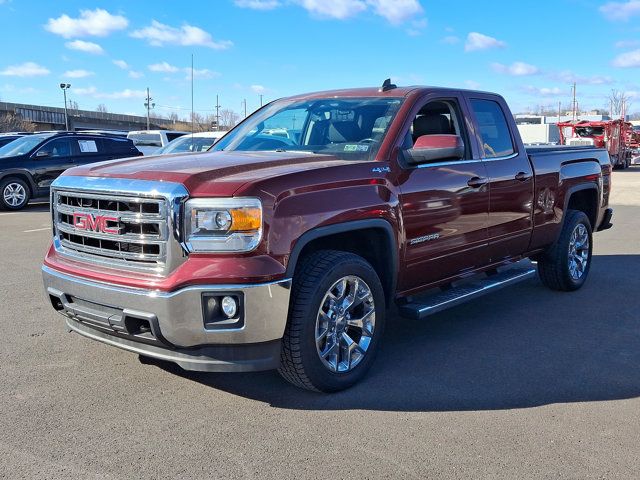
{"points": [[65, 87]]}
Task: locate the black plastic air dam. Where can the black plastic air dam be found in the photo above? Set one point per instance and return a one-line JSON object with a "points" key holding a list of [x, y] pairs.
{"points": [[251, 357]]}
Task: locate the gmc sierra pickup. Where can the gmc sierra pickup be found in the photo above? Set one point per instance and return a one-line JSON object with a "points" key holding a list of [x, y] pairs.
{"points": [[285, 244]]}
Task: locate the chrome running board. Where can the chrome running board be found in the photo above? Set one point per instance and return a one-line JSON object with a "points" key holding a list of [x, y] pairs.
{"points": [[424, 306]]}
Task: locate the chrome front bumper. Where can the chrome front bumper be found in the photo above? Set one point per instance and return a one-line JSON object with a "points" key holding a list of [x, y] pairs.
{"points": [[98, 310]]}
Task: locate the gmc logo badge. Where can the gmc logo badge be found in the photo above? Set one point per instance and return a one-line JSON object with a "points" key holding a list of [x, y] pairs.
{"points": [[95, 223]]}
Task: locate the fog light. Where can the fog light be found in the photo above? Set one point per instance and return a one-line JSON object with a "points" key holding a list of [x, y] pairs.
{"points": [[229, 306]]}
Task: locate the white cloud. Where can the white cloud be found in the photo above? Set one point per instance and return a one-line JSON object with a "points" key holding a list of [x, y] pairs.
{"points": [[121, 64], [567, 76], [451, 40], [158, 34], [516, 69], [85, 91], [472, 84], [258, 4], [98, 23], [123, 94], [544, 91], [163, 67], [627, 44], [258, 89], [203, 73], [126, 93], [87, 47], [77, 74], [27, 69], [135, 74], [478, 41], [627, 60], [396, 11], [339, 9], [417, 26], [620, 11]]}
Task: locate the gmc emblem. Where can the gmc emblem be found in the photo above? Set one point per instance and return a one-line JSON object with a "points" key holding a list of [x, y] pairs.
{"points": [[95, 223]]}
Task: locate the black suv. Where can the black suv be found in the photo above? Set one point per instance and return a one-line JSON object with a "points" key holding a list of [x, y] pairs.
{"points": [[29, 164]]}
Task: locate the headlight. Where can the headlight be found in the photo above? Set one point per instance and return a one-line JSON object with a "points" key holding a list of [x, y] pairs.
{"points": [[223, 224]]}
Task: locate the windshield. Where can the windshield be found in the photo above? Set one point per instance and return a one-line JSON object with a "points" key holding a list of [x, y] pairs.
{"points": [[187, 143], [146, 139], [351, 127], [23, 145], [589, 131]]}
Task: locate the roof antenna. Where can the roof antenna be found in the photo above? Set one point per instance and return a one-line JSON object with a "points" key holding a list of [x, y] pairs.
{"points": [[387, 85]]}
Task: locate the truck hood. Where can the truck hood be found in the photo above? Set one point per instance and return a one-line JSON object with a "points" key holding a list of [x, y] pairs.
{"points": [[209, 174]]}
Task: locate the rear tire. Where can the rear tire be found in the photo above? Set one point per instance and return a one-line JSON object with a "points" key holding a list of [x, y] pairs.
{"points": [[14, 194], [565, 266], [336, 320]]}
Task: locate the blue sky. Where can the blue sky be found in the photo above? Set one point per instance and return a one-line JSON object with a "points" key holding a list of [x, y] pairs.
{"points": [[112, 51]]}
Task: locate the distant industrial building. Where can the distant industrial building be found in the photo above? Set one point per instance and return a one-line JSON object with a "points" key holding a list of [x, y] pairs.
{"points": [[52, 118], [526, 119]]}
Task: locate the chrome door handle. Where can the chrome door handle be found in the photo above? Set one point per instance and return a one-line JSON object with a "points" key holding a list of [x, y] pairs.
{"points": [[477, 182]]}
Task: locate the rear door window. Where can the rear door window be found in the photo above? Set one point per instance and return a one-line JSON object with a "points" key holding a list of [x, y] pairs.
{"points": [[88, 145], [493, 129]]}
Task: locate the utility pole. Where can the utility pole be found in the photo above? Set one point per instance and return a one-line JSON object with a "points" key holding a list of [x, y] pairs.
{"points": [[261, 100], [193, 116], [149, 106], [217, 114], [65, 87], [559, 110], [245, 107], [574, 102]]}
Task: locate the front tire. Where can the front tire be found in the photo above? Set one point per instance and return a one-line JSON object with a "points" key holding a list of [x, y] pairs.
{"points": [[565, 266], [336, 320], [14, 194]]}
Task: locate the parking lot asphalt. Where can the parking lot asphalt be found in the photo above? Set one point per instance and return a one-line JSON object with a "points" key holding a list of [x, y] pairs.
{"points": [[522, 383]]}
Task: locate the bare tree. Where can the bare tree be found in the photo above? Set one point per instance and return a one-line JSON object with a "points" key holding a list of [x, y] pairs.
{"points": [[102, 108], [72, 105], [10, 122], [228, 119], [619, 103], [173, 116]]}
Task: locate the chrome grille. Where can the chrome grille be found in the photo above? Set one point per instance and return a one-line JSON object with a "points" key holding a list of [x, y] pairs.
{"points": [[140, 233]]}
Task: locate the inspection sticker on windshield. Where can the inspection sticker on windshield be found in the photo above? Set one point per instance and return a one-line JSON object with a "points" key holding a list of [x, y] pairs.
{"points": [[356, 148]]}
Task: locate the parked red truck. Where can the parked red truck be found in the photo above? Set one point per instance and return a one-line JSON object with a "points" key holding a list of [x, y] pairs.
{"points": [[616, 136], [285, 245]]}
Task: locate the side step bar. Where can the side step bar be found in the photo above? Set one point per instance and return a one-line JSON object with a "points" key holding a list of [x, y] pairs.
{"points": [[428, 305]]}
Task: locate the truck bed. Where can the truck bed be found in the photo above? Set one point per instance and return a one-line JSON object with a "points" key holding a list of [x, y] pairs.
{"points": [[559, 148]]}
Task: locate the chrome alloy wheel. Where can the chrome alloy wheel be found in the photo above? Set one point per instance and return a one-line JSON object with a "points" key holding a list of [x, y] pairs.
{"points": [[578, 251], [14, 194], [345, 324]]}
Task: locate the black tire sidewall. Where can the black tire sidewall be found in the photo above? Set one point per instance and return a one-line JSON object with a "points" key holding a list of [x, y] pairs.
{"points": [[4, 184], [319, 375], [576, 219]]}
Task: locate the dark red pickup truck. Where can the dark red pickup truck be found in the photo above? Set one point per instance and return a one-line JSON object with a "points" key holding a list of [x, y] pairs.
{"points": [[286, 244]]}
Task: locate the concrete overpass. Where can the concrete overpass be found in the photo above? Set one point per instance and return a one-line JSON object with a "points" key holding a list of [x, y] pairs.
{"points": [[52, 118]]}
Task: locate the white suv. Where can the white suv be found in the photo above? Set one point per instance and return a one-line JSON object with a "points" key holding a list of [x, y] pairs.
{"points": [[148, 141]]}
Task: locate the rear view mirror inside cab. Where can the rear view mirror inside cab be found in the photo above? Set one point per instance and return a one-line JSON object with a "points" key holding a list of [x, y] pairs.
{"points": [[429, 148]]}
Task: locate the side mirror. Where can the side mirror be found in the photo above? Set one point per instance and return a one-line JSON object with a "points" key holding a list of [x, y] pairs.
{"points": [[42, 154], [429, 148]]}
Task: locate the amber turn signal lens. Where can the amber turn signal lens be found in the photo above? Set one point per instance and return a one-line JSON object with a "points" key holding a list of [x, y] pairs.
{"points": [[245, 219]]}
